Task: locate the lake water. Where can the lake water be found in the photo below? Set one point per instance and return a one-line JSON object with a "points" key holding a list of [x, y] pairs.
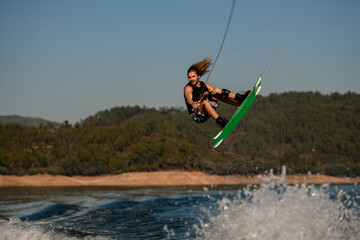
{"points": [[274, 211]]}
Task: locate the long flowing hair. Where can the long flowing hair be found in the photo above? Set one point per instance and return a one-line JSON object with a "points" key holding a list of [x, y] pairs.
{"points": [[201, 67]]}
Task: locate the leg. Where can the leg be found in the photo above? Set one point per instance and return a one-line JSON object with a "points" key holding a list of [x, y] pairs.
{"points": [[225, 96], [206, 106], [229, 97], [229, 101]]}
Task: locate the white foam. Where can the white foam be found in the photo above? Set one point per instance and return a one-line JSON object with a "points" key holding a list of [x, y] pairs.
{"points": [[15, 229], [277, 211]]}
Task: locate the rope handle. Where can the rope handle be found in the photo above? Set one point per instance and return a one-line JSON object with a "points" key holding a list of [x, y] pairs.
{"points": [[201, 99]]}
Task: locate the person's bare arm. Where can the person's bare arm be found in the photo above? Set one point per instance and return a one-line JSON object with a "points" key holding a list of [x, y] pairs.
{"points": [[188, 97]]}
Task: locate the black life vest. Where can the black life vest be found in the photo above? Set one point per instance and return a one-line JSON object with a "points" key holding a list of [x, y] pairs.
{"points": [[197, 94]]}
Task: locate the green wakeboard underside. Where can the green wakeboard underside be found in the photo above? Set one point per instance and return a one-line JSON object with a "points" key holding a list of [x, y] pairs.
{"points": [[238, 115]]}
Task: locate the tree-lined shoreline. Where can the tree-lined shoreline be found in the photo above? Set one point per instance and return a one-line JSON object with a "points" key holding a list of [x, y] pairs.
{"points": [[305, 131]]}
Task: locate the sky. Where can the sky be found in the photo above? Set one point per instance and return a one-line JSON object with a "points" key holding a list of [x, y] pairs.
{"points": [[69, 59]]}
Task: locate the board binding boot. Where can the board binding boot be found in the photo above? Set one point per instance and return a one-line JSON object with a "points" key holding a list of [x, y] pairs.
{"points": [[240, 97], [222, 122]]}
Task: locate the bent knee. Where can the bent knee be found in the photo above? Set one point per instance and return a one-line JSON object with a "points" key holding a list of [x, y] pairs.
{"points": [[206, 103], [216, 91]]}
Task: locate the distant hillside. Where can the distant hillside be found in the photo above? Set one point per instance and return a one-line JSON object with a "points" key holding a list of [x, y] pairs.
{"points": [[305, 131], [26, 121]]}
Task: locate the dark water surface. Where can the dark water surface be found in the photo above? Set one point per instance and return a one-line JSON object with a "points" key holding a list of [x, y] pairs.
{"points": [[238, 212]]}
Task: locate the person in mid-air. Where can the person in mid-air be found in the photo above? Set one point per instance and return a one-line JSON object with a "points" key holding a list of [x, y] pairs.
{"points": [[201, 98]]}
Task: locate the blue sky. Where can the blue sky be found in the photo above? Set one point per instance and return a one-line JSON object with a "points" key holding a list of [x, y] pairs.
{"points": [[66, 60]]}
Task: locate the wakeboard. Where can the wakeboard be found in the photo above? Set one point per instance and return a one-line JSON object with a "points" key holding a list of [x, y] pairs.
{"points": [[238, 115]]}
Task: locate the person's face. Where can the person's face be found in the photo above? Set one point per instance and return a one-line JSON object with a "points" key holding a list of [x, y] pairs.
{"points": [[193, 77]]}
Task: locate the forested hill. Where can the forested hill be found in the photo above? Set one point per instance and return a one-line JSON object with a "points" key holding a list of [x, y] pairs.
{"points": [[305, 131], [26, 121]]}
